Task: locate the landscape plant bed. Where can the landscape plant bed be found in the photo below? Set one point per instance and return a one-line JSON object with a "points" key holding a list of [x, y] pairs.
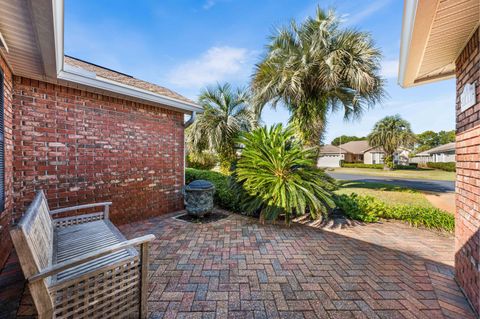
{"points": [[369, 209]]}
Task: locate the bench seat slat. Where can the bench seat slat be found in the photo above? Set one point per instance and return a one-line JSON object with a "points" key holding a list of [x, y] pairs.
{"points": [[80, 239]]}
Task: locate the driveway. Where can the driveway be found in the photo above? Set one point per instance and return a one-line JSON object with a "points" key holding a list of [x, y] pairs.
{"points": [[420, 184]]}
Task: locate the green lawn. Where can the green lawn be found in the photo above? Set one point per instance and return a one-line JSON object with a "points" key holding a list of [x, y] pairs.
{"points": [[432, 174], [390, 194]]}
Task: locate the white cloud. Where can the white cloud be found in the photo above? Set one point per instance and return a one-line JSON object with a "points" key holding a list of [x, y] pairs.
{"points": [[366, 12], [208, 4], [217, 64], [390, 68]]}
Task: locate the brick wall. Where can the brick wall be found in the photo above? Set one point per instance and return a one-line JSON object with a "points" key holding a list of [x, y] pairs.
{"points": [[82, 147], [467, 227], [6, 215]]}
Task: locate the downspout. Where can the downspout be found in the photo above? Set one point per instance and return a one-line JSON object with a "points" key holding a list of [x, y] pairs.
{"points": [[185, 125], [191, 120]]}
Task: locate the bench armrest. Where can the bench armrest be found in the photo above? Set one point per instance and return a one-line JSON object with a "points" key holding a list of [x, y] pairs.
{"points": [[55, 269], [106, 206]]}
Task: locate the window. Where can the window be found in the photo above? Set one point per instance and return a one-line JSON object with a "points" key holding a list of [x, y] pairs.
{"points": [[2, 144]]}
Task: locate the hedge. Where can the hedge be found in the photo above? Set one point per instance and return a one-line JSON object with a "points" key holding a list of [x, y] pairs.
{"points": [[375, 166], [224, 196], [448, 167], [369, 209]]}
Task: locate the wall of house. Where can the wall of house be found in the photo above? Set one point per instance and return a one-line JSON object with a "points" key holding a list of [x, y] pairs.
{"points": [[82, 147], [467, 217], [6, 214], [369, 157], [442, 157]]}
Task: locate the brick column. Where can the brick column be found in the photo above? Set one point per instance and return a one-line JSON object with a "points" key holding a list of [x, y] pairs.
{"points": [[467, 218]]}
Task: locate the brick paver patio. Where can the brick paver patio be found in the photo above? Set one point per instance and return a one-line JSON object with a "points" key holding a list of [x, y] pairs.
{"points": [[238, 268]]}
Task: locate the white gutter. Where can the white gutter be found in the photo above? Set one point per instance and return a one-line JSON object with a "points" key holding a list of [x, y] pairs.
{"points": [[68, 74], [84, 77], [407, 32]]}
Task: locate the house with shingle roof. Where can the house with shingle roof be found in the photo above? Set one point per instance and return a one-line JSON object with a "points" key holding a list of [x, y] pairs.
{"points": [[441, 154], [357, 152]]}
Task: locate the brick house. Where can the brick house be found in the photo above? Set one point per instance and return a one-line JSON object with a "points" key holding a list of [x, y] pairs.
{"points": [[440, 40], [79, 131]]}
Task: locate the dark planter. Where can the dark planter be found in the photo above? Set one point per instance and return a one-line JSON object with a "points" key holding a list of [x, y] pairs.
{"points": [[198, 196]]}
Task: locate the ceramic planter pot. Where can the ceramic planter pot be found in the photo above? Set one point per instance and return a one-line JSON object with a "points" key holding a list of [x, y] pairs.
{"points": [[198, 196]]}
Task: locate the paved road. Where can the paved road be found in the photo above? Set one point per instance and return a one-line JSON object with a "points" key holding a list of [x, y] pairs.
{"points": [[420, 184]]}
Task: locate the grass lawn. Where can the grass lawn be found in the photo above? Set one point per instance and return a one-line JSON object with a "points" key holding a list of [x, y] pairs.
{"points": [[420, 173], [390, 194]]}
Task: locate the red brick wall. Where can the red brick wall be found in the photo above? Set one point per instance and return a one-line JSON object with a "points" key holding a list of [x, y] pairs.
{"points": [[467, 220], [6, 215], [82, 147]]}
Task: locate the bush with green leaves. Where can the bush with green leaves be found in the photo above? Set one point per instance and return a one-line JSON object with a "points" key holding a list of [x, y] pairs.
{"points": [[202, 160], [448, 167], [369, 209], [224, 196], [374, 166], [276, 176]]}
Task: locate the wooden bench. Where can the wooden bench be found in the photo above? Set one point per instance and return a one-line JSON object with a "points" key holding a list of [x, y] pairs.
{"points": [[81, 266]]}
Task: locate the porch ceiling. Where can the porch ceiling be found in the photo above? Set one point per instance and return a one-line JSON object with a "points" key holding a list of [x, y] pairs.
{"points": [[433, 35]]}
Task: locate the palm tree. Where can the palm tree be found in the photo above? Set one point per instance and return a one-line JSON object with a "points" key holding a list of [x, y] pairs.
{"points": [[226, 114], [316, 67], [390, 134]]}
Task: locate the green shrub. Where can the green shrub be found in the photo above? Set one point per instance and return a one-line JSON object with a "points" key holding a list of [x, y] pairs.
{"points": [[448, 167], [275, 175], [375, 166], [204, 160], [362, 165], [224, 197], [369, 209]]}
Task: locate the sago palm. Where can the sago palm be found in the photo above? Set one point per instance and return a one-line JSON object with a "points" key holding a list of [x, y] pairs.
{"points": [[391, 133], [226, 114], [275, 175], [316, 67]]}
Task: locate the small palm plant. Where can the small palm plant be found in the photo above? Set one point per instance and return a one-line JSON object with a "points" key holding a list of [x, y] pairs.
{"points": [[276, 175], [391, 133], [226, 114]]}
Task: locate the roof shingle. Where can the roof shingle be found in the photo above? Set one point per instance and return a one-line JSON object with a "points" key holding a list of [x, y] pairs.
{"points": [[125, 79]]}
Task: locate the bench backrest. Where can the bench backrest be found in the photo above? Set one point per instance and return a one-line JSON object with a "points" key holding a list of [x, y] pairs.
{"points": [[33, 237], [33, 241]]}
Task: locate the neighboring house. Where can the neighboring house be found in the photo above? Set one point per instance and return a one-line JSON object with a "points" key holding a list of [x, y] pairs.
{"points": [[357, 152], [441, 40], [330, 156], [440, 154], [79, 131]]}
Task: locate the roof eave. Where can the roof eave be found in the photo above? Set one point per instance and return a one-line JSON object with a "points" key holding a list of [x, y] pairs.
{"points": [[123, 89]]}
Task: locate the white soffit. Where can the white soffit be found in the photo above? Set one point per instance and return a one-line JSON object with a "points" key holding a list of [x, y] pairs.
{"points": [[28, 35], [434, 32]]}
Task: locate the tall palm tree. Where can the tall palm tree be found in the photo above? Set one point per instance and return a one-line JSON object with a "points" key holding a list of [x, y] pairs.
{"points": [[226, 114], [316, 67], [390, 134]]}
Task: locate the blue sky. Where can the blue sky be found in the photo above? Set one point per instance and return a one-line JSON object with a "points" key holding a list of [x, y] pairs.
{"points": [[187, 45]]}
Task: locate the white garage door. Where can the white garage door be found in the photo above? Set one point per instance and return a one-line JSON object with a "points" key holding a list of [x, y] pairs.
{"points": [[329, 161]]}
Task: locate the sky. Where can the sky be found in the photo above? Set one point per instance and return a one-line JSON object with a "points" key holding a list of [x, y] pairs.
{"points": [[187, 45]]}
